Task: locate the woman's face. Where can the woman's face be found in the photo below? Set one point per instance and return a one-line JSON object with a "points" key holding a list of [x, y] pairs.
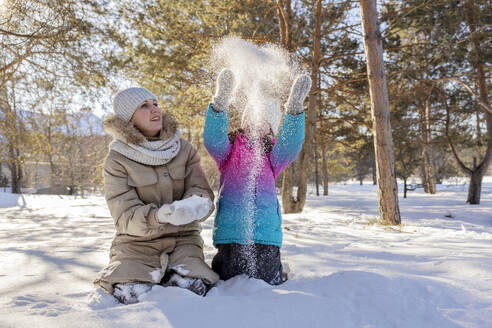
{"points": [[148, 118]]}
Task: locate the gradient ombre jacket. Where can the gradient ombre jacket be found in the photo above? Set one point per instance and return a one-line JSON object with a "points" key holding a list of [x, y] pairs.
{"points": [[248, 209]]}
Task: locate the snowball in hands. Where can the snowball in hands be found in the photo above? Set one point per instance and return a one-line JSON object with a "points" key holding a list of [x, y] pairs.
{"points": [[184, 211]]}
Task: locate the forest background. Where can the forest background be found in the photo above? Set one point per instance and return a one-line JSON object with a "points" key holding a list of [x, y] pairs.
{"points": [[61, 62]]}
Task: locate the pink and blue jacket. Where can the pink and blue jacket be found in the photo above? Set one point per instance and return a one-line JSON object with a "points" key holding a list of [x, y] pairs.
{"points": [[248, 209]]}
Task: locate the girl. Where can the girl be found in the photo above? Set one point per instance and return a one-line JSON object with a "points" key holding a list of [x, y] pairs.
{"points": [[247, 227]]}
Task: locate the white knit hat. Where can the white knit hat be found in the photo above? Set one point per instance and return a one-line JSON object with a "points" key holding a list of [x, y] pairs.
{"points": [[268, 111], [126, 102]]}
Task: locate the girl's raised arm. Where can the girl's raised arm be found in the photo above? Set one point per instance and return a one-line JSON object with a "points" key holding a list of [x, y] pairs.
{"points": [[291, 135], [215, 136]]}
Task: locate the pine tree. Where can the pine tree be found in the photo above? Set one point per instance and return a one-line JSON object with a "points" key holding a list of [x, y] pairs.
{"points": [[383, 143], [452, 41]]}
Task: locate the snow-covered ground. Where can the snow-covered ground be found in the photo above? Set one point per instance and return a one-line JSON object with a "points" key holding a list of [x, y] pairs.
{"points": [[346, 271]]}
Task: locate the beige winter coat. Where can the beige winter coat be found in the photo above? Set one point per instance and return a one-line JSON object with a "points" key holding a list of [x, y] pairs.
{"points": [[143, 249]]}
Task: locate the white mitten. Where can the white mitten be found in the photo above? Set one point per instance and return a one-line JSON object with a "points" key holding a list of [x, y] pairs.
{"points": [[298, 93], [201, 206], [181, 212], [171, 213], [225, 84]]}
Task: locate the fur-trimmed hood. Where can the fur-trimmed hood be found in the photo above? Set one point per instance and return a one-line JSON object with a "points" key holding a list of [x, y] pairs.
{"points": [[127, 132]]}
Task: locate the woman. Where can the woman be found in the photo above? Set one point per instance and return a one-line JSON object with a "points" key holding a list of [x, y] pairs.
{"points": [[157, 193], [247, 227]]}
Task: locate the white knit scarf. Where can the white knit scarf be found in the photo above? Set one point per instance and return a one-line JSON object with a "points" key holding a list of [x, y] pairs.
{"points": [[153, 153]]}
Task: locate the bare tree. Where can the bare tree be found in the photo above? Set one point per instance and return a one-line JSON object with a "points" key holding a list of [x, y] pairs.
{"points": [[11, 128], [43, 44]]}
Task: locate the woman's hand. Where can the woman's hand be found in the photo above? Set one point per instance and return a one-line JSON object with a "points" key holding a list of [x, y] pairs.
{"points": [[181, 212], [225, 84], [298, 92]]}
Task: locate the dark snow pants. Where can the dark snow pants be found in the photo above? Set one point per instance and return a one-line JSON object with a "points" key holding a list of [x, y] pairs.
{"points": [[255, 260]]}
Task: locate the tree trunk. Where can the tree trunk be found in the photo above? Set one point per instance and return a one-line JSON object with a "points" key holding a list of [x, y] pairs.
{"points": [[296, 206], [311, 113], [383, 140], [14, 178], [12, 136], [50, 149], [479, 171], [284, 13], [52, 171], [50, 154], [374, 175], [288, 201], [15, 170], [478, 123], [404, 187], [359, 171], [428, 170], [325, 171], [423, 177], [475, 188], [429, 176], [316, 171]]}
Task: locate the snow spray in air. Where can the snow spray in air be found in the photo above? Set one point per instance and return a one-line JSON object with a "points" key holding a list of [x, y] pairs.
{"points": [[263, 77]]}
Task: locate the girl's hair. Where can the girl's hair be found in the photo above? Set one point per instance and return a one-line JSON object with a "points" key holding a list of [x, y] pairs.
{"points": [[266, 141]]}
